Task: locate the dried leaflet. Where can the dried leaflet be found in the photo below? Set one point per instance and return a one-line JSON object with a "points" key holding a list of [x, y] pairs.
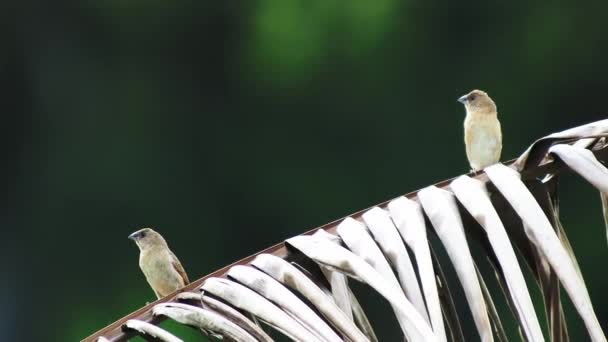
{"points": [[538, 150], [151, 330], [275, 292], [340, 259], [474, 197], [409, 220], [541, 233], [337, 280], [293, 278], [238, 318], [440, 207], [342, 293], [583, 162], [358, 240], [385, 233], [206, 320], [246, 299]]}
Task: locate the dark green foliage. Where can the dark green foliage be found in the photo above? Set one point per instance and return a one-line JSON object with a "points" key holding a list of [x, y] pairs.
{"points": [[230, 126]]}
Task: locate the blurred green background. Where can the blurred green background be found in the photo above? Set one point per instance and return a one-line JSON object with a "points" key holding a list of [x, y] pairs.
{"points": [[232, 125]]}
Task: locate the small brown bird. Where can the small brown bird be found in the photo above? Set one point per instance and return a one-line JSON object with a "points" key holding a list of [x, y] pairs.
{"points": [[482, 134], [161, 267]]}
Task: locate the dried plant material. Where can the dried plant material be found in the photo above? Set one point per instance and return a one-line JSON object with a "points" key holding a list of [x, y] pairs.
{"points": [[476, 200], [235, 316], [409, 220], [327, 236], [583, 162], [151, 330], [604, 197], [446, 298], [541, 233], [545, 195], [274, 291], [361, 318], [248, 300], [538, 150], [339, 290], [441, 209], [385, 233], [585, 143], [290, 276], [358, 240], [494, 317], [342, 260], [542, 243], [342, 293], [188, 296], [206, 320], [337, 280]]}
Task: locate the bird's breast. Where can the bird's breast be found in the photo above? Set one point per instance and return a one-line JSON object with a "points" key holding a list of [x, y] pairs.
{"points": [[158, 268], [483, 141]]}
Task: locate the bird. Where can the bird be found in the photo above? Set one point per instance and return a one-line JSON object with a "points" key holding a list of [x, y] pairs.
{"points": [[482, 132], [162, 269]]}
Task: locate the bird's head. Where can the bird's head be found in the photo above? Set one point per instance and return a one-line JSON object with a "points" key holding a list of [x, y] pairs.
{"points": [[478, 101], [146, 238]]}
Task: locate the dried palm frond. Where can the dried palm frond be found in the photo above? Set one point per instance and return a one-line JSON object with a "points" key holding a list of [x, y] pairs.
{"points": [[301, 288]]}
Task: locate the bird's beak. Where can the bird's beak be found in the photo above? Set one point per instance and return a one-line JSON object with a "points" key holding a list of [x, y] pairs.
{"points": [[463, 99], [134, 236]]}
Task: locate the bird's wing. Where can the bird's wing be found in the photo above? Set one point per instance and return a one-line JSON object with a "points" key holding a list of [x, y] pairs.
{"points": [[158, 295], [499, 140], [179, 268]]}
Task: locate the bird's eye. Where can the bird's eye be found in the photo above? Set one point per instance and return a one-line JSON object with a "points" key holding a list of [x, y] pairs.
{"points": [[472, 98], [142, 234]]}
